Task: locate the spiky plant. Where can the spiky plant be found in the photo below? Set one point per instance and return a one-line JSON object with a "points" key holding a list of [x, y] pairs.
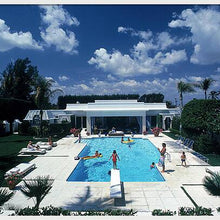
{"points": [[37, 188], [212, 184], [5, 195]]}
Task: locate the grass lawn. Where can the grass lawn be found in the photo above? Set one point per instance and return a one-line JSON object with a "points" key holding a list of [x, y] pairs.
{"points": [[9, 148], [214, 159], [171, 135]]}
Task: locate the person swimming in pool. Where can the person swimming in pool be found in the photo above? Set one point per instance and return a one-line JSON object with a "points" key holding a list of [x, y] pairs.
{"points": [[122, 139], [152, 165], [114, 157], [97, 154]]}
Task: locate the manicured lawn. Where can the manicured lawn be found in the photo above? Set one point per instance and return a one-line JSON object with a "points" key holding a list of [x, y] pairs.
{"points": [[214, 159], [9, 148], [171, 135]]}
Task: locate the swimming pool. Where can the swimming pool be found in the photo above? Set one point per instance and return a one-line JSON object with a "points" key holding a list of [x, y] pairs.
{"points": [[134, 161]]}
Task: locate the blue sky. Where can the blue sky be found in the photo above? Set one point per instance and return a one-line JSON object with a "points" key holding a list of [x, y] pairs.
{"points": [[94, 49]]}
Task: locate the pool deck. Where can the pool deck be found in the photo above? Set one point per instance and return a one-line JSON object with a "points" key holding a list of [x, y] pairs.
{"points": [[141, 196]]}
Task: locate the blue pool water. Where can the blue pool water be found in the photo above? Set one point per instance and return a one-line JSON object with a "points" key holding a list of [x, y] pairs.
{"points": [[134, 161]]}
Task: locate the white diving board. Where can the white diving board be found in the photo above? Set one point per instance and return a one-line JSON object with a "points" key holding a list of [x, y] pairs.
{"points": [[115, 189]]}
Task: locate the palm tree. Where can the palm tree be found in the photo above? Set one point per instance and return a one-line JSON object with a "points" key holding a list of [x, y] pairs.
{"points": [[213, 95], [212, 184], [205, 85], [184, 88], [42, 96], [37, 188], [5, 195]]}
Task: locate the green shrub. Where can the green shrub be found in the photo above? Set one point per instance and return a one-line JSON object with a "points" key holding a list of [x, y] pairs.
{"points": [[174, 131], [50, 210], [198, 211], [27, 211], [160, 212], [24, 128], [59, 129], [107, 212], [176, 123], [205, 144], [201, 122]]}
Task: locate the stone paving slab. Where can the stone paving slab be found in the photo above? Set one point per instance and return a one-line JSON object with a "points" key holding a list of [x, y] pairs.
{"points": [[142, 196]]}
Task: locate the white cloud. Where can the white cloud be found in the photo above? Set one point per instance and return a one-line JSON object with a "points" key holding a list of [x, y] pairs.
{"points": [[53, 18], [22, 40], [204, 25], [218, 70], [63, 78], [150, 56]]}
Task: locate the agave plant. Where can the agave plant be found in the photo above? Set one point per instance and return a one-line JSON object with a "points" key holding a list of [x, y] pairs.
{"points": [[37, 188], [212, 184], [5, 195]]}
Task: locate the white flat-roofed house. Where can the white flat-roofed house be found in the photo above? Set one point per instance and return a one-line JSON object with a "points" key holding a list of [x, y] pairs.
{"points": [[104, 114]]}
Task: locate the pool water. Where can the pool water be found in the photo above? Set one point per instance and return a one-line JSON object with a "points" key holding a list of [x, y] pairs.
{"points": [[134, 164]]}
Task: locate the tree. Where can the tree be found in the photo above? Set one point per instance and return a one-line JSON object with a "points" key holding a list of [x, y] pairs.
{"points": [[37, 188], [43, 93], [205, 85], [184, 88], [18, 80], [212, 184], [152, 98]]}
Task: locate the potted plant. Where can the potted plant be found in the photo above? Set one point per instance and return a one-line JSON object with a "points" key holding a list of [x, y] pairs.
{"points": [[13, 180], [144, 132], [156, 131], [75, 132]]}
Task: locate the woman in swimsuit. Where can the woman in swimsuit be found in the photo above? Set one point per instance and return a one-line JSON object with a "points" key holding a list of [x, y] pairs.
{"points": [[114, 159]]}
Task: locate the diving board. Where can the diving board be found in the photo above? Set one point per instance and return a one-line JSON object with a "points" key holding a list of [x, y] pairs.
{"points": [[115, 189]]}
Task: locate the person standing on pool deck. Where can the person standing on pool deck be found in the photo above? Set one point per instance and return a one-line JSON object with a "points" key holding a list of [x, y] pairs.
{"points": [[114, 159], [162, 157]]}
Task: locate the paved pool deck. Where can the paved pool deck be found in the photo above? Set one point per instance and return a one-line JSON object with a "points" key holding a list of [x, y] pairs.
{"points": [[141, 196]]}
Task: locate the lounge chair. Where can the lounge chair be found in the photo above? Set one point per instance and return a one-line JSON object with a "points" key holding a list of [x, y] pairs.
{"points": [[116, 133], [181, 140], [213, 170], [45, 146], [32, 151], [46, 143], [200, 156], [190, 144], [20, 169]]}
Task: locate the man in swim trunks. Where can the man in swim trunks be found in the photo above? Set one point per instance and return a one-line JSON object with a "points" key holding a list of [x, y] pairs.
{"points": [[114, 159], [162, 157]]}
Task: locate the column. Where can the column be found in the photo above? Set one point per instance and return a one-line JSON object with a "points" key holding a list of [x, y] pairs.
{"points": [[81, 121], [164, 118], [171, 121], [88, 124], [144, 123]]}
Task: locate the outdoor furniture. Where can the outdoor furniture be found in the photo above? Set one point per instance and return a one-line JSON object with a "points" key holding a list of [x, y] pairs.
{"points": [[20, 169], [200, 156], [45, 146], [213, 170], [46, 143], [115, 189], [189, 145], [32, 151], [116, 133]]}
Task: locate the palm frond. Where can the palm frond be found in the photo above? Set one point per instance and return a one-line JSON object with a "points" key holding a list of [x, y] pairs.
{"points": [[37, 188], [5, 195], [212, 184]]}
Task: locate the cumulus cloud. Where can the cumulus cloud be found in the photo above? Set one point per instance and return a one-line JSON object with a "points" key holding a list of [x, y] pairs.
{"points": [[204, 26], [63, 78], [10, 40], [151, 55], [52, 30], [125, 65]]}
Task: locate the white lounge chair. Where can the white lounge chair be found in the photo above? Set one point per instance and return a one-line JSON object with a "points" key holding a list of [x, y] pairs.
{"points": [[115, 189], [212, 170], [20, 169], [45, 146], [46, 143], [32, 151]]}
